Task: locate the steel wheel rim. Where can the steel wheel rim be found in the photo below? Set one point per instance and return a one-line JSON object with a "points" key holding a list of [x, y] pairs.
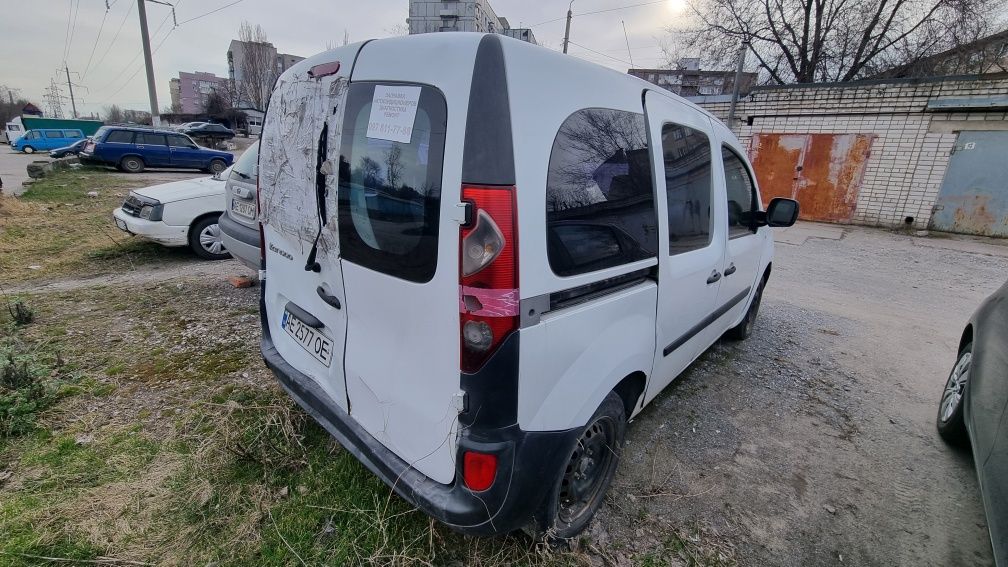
{"points": [[584, 476], [217, 167], [132, 164], [210, 239], [955, 386]]}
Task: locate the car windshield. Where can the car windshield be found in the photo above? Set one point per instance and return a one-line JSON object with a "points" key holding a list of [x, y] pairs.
{"points": [[245, 166]]}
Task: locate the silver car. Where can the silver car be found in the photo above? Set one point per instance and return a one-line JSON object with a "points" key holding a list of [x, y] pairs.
{"points": [[239, 225]]}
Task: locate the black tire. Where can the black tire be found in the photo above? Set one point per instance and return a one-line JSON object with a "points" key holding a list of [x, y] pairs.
{"points": [[950, 421], [583, 481], [131, 164], [744, 329], [217, 166], [29, 150], [202, 248]]}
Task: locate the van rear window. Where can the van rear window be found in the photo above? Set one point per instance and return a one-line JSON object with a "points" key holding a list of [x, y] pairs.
{"points": [[390, 191], [600, 207]]}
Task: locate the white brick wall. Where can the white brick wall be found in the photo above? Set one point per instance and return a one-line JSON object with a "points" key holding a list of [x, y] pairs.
{"points": [[908, 159]]}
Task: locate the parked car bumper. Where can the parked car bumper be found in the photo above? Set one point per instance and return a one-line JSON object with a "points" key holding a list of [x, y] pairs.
{"points": [[156, 231], [528, 462], [241, 241]]}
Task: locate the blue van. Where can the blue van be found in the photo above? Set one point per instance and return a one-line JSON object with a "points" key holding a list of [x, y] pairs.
{"points": [[36, 140]]}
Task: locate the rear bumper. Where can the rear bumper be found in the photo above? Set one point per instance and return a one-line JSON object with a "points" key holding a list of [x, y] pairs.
{"points": [[528, 462], [241, 241]]}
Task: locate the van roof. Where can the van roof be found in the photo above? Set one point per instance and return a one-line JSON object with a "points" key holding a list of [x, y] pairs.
{"points": [[470, 41]]}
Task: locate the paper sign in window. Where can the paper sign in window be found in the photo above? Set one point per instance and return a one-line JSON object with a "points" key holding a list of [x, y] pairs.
{"points": [[393, 111]]}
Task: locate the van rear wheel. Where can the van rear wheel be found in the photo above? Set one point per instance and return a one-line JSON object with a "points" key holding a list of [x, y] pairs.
{"points": [[742, 331], [583, 481]]}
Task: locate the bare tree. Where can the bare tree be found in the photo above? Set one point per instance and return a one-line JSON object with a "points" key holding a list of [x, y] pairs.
{"points": [[113, 114], [257, 66], [215, 104], [807, 41], [393, 166], [11, 103]]}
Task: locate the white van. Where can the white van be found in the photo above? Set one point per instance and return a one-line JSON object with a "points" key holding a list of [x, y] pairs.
{"points": [[482, 257]]}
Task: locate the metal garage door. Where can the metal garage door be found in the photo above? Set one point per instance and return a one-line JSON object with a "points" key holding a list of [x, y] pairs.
{"points": [[823, 172], [974, 195]]}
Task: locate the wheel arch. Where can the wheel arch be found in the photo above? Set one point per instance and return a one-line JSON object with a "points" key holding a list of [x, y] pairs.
{"points": [[967, 338], [196, 220], [631, 391]]}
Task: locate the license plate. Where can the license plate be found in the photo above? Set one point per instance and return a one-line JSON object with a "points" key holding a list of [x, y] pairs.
{"points": [[243, 208], [312, 340], [121, 224]]}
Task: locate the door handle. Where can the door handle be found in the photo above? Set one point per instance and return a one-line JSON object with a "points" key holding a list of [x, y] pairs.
{"points": [[730, 270], [330, 299], [715, 276]]}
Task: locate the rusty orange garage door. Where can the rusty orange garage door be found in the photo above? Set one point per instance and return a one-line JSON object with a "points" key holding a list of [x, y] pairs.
{"points": [[821, 171]]}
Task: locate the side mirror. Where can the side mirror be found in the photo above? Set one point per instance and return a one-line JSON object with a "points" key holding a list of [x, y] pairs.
{"points": [[782, 212]]}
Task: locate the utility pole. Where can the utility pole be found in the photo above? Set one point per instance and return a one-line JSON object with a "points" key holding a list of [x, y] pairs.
{"points": [[567, 31], [73, 103], [145, 38], [738, 80]]}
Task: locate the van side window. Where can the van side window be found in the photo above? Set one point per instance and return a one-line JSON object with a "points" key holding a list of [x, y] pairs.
{"points": [[120, 137], [73, 133], [389, 196], [600, 208], [742, 203], [687, 157], [53, 134]]}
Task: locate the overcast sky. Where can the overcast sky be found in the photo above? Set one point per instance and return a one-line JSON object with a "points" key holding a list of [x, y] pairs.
{"points": [[40, 35]]}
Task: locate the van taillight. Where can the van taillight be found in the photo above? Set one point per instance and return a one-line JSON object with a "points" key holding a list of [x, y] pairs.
{"points": [[262, 233], [478, 470], [488, 273]]}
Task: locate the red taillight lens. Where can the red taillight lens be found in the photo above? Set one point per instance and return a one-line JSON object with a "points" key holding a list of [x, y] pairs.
{"points": [[488, 273], [478, 470], [262, 233]]}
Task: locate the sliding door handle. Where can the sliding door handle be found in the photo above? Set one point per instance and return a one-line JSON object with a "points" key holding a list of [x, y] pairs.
{"points": [[731, 270], [715, 276]]}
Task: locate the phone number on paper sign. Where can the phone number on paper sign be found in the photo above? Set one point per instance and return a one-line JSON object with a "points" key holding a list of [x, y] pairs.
{"points": [[386, 131]]}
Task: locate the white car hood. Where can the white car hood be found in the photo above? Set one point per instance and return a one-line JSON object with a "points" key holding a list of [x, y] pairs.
{"points": [[185, 189]]}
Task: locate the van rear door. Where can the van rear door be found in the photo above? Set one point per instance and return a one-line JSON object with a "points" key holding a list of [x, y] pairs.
{"points": [[298, 164], [402, 362]]}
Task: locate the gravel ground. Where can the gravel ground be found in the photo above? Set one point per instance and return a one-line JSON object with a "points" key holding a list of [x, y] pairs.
{"points": [[813, 443]]}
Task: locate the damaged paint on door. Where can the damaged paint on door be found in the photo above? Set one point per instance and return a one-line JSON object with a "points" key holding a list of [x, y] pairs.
{"points": [[973, 198], [823, 172]]}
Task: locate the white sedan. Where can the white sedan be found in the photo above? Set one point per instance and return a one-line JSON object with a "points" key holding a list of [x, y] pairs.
{"points": [[180, 213]]}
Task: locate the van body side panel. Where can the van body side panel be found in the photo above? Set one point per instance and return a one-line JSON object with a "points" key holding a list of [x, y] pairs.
{"points": [[573, 356], [402, 354]]}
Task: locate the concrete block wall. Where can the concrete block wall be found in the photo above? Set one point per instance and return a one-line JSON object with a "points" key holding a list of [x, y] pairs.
{"points": [[911, 150]]}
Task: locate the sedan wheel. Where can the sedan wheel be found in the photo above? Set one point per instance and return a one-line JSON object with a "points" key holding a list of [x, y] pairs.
{"points": [[205, 240], [951, 423]]}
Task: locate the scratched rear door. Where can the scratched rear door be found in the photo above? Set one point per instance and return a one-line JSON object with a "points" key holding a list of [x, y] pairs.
{"points": [[298, 180]]}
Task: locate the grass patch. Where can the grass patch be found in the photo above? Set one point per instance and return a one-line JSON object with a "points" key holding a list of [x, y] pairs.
{"points": [[54, 229]]}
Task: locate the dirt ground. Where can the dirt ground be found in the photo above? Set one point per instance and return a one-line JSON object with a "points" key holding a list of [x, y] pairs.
{"points": [[813, 443]]}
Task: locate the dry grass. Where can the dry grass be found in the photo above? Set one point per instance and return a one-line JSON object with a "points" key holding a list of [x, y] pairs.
{"points": [[56, 230]]}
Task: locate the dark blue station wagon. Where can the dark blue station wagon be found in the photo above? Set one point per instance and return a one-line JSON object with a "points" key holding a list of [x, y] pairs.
{"points": [[133, 149]]}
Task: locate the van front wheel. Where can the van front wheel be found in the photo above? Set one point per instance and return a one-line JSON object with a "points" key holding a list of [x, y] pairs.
{"points": [[586, 474], [29, 150]]}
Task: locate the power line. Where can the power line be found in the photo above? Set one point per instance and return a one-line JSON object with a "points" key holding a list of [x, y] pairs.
{"points": [[600, 12], [210, 12], [116, 36], [73, 30], [137, 56], [130, 79], [97, 37], [600, 53]]}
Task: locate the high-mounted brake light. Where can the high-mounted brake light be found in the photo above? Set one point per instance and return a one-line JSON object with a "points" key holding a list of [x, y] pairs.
{"points": [[488, 273], [478, 470], [324, 69]]}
